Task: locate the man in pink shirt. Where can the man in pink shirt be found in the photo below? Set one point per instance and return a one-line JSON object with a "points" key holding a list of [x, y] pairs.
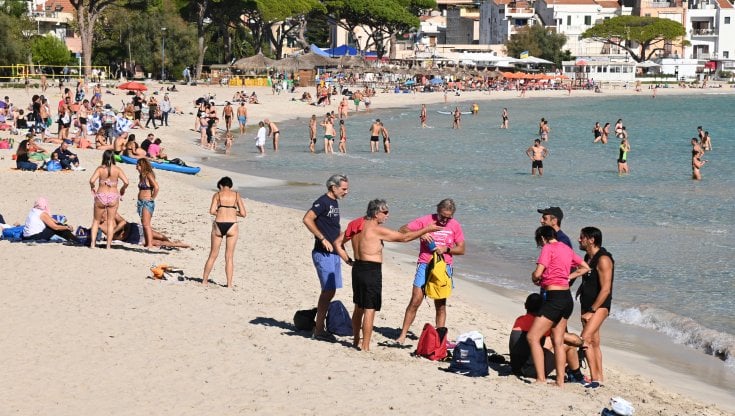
{"points": [[449, 242]]}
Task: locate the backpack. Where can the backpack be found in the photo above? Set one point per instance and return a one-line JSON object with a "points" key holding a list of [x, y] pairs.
{"points": [[339, 321], [469, 360], [303, 320], [432, 343], [438, 282]]}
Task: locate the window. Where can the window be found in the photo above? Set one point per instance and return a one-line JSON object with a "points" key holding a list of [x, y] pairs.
{"points": [[587, 20], [569, 20], [727, 20], [725, 54]]}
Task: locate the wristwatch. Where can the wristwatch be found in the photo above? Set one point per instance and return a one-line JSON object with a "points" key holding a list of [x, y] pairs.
{"points": [[593, 310]]}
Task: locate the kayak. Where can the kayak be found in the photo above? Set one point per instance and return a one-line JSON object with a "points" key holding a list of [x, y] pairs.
{"points": [[172, 167]]}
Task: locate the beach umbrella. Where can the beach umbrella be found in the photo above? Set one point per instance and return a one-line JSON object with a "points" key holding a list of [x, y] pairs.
{"points": [[290, 64], [533, 60], [255, 62], [312, 60], [647, 64], [133, 86], [436, 81]]}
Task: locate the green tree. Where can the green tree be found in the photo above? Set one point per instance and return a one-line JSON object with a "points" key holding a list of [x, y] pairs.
{"points": [[277, 20], [539, 42], [16, 33], [639, 35], [50, 50]]}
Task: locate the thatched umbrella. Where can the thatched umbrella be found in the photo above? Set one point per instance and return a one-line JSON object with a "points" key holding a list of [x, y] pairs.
{"points": [[352, 61], [256, 62], [290, 64], [312, 60]]}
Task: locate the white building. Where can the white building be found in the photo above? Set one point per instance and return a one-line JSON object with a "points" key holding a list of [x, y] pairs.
{"points": [[500, 19], [599, 70], [710, 27]]}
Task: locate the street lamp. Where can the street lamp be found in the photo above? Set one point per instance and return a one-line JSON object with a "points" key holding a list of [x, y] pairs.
{"points": [[676, 73], [163, 53]]}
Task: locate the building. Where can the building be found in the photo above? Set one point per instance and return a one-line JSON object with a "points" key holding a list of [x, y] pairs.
{"points": [[501, 19], [55, 17], [710, 27]]}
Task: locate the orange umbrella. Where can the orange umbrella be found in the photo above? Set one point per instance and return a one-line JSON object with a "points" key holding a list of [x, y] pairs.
{"points": [[133, 86]]}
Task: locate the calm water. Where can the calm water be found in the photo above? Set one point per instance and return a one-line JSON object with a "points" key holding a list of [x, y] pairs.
{"points": [[672, 238]]}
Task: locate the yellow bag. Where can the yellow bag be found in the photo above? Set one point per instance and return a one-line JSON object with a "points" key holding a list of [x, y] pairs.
{"points": [[438, 282]]}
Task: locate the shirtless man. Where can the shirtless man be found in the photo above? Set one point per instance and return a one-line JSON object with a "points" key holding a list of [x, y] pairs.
{"points": [[367, 247], [343, 108], [356, 98], [537, 153], [242, 117], [312, 133], [329, 134], [273, 131], [504, 124], [375, 130], [227, 115], [422, 116], [120, 142], [544, 129]]}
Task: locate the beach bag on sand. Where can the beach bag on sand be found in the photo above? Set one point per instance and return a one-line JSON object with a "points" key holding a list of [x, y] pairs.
{"points": [[469, 360], [432, 343], [304, 320], [339, 321], [438, 282]]}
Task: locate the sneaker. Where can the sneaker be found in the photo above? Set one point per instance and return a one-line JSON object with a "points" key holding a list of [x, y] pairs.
{"points": [[570, 377], [592, 385]]}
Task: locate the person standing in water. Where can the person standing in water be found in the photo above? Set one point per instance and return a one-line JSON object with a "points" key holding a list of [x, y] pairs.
{"points": [[623, 157]]}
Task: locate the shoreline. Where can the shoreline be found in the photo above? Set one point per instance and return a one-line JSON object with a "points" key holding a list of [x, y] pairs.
{"points": [[246, 325]]}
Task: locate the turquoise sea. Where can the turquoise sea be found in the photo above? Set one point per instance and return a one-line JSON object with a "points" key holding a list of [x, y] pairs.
{"points": [[672, 238]]}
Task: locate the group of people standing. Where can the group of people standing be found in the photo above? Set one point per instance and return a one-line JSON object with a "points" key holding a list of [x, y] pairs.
{"points": [[700, 144]]}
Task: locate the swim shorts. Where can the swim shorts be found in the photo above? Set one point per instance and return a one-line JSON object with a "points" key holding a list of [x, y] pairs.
{"points": [[374, 138], [242, 119], [558, 304], [367, 284], [537, 164], [419, 279], [328, 137], [328, 269]]}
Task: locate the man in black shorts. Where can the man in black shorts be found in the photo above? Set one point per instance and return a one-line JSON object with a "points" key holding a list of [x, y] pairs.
{"points": [[375, 129], [537, 153], [367, 278], [595, 297]]}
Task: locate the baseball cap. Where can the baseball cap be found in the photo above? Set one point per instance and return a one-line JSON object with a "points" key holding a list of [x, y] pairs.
{"points": [[555, 211], [67, 141]]}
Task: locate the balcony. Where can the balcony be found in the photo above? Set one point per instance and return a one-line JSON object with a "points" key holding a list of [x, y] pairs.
{"points": [[658, 4], [703, 32]]}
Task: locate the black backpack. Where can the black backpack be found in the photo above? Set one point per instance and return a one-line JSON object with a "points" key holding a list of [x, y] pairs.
{"points": [[303, 320], [469, 360]]}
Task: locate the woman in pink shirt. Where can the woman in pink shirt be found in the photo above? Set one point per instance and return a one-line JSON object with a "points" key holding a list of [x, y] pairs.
{"points": [[553, 274]]}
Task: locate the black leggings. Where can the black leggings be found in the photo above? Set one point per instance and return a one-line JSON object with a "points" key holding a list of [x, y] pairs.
{"points": [[47, 233]]}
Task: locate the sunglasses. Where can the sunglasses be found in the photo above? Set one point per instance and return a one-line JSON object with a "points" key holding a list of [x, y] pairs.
{"points": [[385, 212]]}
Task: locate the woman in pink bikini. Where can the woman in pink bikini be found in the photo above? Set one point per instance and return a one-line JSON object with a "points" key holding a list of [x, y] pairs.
{"points": [[106, 195]]}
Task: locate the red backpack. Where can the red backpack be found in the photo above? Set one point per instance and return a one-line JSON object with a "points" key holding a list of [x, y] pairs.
{"points": [[432, 343]]}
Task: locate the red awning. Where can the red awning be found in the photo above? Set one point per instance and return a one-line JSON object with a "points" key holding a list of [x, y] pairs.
{"points": [[711, 65]]}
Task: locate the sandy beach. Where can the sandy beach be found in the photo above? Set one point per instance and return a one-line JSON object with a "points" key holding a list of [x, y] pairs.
{"points": [[87, 331]]}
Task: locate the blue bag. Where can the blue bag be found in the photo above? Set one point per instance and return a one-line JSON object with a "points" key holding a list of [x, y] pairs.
{"points": [[53, 165], [339, 321], [469, 360], [13, 233]]}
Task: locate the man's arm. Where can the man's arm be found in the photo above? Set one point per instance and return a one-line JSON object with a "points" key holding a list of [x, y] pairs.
{"points": [[339, 247], [386, 234], [310, 223], [604, 272]]}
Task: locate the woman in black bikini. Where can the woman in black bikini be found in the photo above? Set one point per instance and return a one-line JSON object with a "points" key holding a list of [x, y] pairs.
{"points": [[226, 206]]}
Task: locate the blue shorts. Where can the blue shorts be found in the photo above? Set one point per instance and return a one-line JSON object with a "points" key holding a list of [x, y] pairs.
{"points": [[148, 204], [242, 119], [329, 269], [419, 280]]}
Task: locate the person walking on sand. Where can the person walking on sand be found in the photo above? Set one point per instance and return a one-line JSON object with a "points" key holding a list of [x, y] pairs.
{"points": [[367, 278], [343, 108], [273, 132], [226, 206], [422, 116], [147, 193], [448, 242], [553, 274], [537, 153], [329, 134], [227, 113], [322, 220], [623, 157], [106, 194], [356, 98], [505, 119], [375, 130], [595, 298], [242, 117]]}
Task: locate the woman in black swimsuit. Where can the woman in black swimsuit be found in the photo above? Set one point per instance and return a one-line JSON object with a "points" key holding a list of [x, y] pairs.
{"points": [[226, 207]]}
